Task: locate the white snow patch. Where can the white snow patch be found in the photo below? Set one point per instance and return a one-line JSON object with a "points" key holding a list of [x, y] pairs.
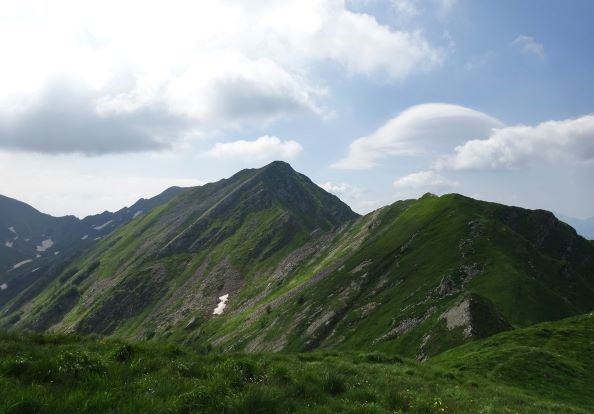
{"points": [[19, 264], [35, 270], [3, 286], [101, 227], [45, 244], [56, 253], [37, 256], [222, 304], [10, 243], [84, 237], [138, 213], [97, 238]]}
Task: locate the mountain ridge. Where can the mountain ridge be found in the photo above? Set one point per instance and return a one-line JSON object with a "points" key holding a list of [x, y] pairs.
{"points": [[298, 270]]}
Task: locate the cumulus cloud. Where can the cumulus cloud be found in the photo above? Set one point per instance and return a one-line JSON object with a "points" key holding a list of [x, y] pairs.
{"points": [[199, 64], [263, 148], [423, 129], [567, 141], [343, 190], [529, 46], [424, 181], [63, 120]]}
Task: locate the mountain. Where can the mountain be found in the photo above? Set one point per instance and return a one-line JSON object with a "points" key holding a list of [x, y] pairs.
{"points": [[268, 261], [35, 244]]}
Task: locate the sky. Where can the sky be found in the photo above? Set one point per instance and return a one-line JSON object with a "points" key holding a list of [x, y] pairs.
{"points": [[102, 103]]}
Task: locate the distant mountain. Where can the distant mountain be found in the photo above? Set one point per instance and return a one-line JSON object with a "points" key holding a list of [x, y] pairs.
{"points": [[33, 243], [266, 261], [584, 227]]}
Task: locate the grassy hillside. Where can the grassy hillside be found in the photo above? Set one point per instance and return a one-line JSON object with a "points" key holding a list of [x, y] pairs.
{"points": [[301, 271], [419, 277], [58, 374], [550, 360]]}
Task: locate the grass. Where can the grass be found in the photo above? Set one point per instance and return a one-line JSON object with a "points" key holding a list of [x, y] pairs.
{"points": [[551, 360], [60, 373]]}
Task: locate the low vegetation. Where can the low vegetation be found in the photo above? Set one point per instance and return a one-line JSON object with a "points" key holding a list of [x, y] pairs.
{"points": [[502, 374]]}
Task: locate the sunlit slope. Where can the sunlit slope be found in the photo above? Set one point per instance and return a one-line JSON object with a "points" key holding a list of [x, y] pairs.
{"points": [[423, 276], [221, 238], [301, 271]]}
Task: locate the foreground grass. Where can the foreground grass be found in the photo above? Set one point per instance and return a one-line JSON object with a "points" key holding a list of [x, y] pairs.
{"points": [[63, 374]]}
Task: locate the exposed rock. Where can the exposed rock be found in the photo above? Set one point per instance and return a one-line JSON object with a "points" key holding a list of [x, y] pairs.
{"points": [[366, 309], [459, 316]]}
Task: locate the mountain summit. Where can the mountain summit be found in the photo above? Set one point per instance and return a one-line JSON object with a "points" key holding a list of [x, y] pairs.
{"points": [[266, 260]]}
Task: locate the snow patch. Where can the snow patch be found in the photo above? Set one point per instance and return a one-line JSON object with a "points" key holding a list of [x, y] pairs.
{"points": [[35, 270], [98, 238], [138, 213], [3, 286], [45, 244], [19, 264], [37, 256], [56, 253], [86, 236], [101, 227], [222, 304], [10, 243]]}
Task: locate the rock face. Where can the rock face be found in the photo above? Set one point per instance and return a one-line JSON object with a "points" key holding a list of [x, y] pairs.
{"points": [[476, 317], [302, 271]]}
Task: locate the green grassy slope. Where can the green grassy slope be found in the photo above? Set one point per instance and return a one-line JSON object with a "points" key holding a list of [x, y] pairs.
{"points": [[172, 265], [550, 360], [303, 272], [417, 264], [58, 374]]}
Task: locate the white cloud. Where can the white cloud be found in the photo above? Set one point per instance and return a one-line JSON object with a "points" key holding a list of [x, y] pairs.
{"points": [[554, 142], [528, 45], [343, 190], [424, 181], [423, 129], [221, 63], [263, 148]]}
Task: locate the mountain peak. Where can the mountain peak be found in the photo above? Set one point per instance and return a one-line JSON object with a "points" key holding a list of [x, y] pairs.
{"points": [[279, 165]]}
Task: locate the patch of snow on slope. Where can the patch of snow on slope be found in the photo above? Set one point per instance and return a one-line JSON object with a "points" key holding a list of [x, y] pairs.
{"points": [[101, 227], [138, 213], [45, 244], [3, 286], [15, 238], [84, 237], [56, 253], [35, 270], [222, 304], [19, 264]]}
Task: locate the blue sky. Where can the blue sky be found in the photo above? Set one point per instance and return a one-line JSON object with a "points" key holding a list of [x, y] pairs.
{"points": [[374, 100]]}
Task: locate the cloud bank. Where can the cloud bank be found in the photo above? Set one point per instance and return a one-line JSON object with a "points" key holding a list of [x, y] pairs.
{"points": [[554, 142], [185, 66]]}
